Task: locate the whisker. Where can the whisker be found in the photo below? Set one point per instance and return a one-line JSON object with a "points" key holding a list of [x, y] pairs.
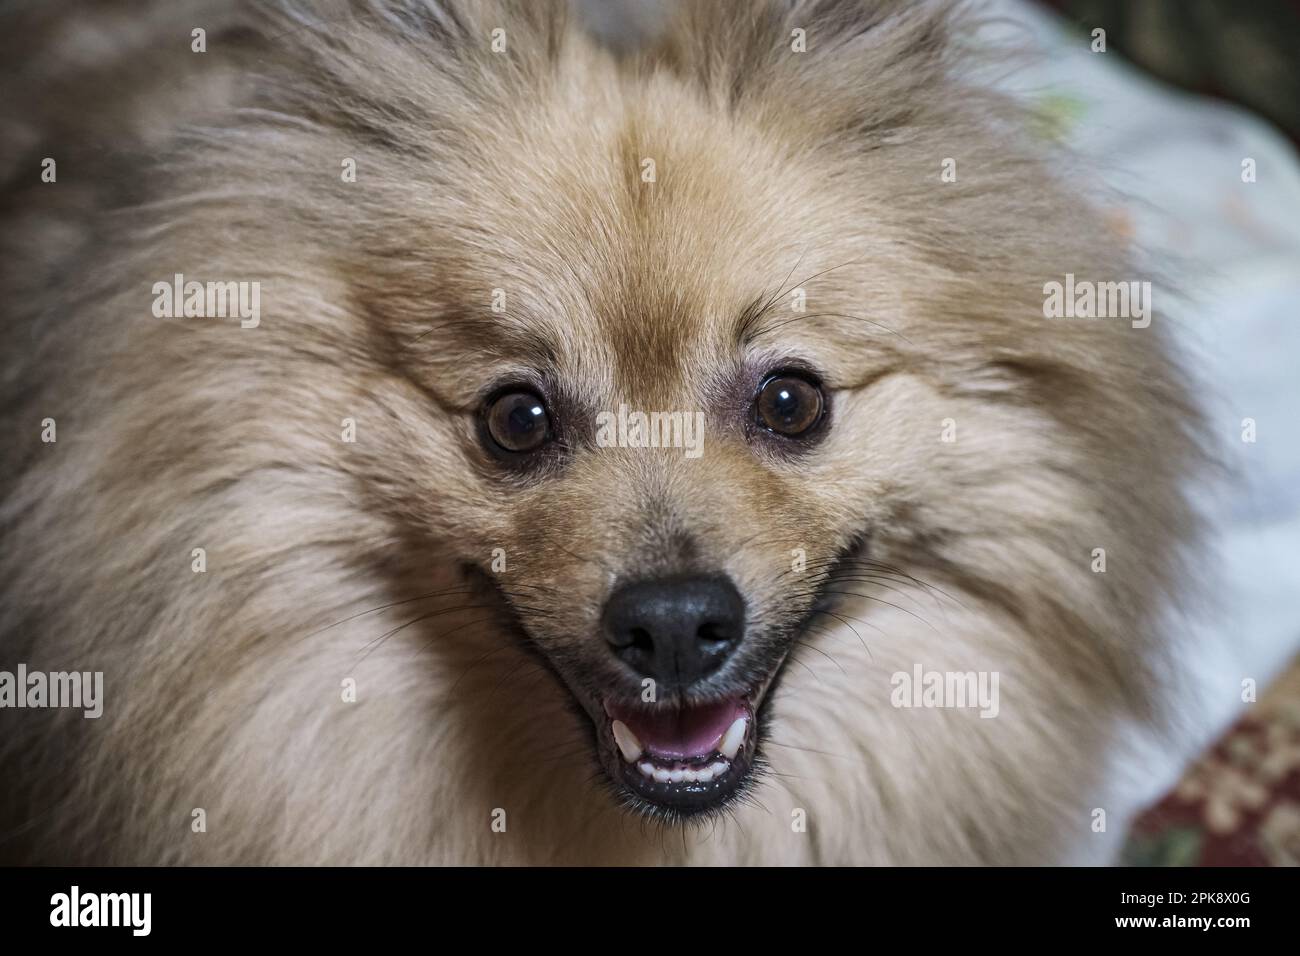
{"points": [[451, 693], [384, 607], [868, 597], [853, 629], [810, 750], [431, 614], [823, 654], [830, 315], [802, 664]]}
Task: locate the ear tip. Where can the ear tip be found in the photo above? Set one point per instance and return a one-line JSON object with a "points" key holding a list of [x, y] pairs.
{"points": [[793, 48]]}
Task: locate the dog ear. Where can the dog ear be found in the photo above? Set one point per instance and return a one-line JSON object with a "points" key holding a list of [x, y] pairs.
{"points": [[855, 68], [394, 65]]}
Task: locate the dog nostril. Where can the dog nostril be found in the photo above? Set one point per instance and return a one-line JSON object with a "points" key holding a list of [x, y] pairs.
{"points": [[715, 633], [641, 640]]}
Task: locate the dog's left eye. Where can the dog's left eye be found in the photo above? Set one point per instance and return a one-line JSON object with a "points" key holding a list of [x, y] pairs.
{"points": [[518, 422], [789, 404]]}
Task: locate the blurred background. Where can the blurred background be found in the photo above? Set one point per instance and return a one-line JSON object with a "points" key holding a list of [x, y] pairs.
{"points": [[1242, 51], [1191, 121]]}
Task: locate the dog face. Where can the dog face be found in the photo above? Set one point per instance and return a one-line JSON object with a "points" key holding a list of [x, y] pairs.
{"points": [[666, 584], [626, 252]]}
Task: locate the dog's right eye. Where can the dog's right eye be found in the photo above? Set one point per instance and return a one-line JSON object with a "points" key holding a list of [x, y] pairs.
{"points": [[517, 422], [789, 404]]}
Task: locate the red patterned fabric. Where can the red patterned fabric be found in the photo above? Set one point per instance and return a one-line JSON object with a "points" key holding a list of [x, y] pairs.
{"points": [[1239, 805]]}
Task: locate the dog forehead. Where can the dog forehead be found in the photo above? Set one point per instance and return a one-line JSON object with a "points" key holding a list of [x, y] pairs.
{"points": [[641, 253], [660, 339], [666, 318], [655, 325]]}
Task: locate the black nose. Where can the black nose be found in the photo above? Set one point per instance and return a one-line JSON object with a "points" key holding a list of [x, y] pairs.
{"points": [[675, 630]]}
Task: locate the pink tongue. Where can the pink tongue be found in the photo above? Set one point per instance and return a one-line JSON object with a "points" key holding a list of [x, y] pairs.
{"points": [[681, 733]]}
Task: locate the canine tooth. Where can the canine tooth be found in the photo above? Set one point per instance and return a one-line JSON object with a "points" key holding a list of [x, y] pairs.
{"points": [[662, 775], [647, 768], [718, 768], [628, 745], [705, 775], [733, 738], [677, 776]]}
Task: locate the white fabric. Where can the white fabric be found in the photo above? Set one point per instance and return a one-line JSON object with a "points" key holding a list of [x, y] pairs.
{"points": [[1179, 160]]}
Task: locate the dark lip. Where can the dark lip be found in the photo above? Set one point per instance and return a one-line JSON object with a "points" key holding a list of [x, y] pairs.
{"points": [[678, 802]]}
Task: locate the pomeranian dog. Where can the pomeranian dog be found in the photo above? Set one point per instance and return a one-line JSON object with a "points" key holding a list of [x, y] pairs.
{"points": [[452, 440]]}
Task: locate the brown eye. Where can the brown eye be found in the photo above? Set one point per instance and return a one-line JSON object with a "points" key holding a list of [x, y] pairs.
{"points": [[789, 405], [517, 422]]}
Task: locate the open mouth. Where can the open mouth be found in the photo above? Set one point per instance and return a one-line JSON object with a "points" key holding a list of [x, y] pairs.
{"points": [[684, 759], [687, 755]]}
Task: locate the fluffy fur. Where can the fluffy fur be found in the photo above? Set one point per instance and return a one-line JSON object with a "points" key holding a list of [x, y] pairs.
{"points": [[329, 560]]}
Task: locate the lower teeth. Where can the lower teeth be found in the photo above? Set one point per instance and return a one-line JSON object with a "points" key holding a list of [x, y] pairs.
{"points": [[703, 774]]}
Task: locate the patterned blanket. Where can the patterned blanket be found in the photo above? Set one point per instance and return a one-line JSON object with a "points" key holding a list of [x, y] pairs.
{"points": [[1239, 805]]}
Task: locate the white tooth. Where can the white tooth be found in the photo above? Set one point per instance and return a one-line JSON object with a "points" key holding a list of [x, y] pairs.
{"points": [[626, 740], [677, 776], [691, 776], [647, 768], [661, 775], [733, 738], [705, 775], [718, 768]]}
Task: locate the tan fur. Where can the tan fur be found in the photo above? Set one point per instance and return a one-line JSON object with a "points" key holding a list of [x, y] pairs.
{"points": [[521, 171]]}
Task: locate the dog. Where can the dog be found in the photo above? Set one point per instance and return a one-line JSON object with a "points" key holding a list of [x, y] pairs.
{"points": [[455, 441]]}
